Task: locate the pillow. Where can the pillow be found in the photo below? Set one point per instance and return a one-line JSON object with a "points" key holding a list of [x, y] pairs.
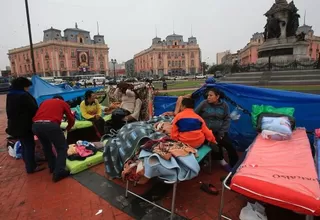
{"points": [[275, 115], [277, 124], [258, 109]]}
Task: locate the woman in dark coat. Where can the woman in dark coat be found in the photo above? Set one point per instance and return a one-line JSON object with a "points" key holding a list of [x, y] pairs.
{"points": [[21, 107]]}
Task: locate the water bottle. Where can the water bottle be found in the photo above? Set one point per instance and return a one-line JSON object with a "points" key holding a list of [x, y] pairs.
{"points": [[235, 114]]}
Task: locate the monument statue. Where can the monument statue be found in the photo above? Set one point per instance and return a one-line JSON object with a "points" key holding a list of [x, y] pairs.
{"points": [[293, 20], [282, 44], [272, 28]]}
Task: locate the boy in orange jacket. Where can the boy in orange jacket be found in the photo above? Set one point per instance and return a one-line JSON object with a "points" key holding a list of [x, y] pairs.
{"points": [[189, 128]]}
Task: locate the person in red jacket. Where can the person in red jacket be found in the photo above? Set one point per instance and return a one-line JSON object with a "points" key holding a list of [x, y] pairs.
{"points": [[189, 128], [47, 128]]}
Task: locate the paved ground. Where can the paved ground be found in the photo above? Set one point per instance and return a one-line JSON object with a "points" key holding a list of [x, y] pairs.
{"points": [[35, 197]]}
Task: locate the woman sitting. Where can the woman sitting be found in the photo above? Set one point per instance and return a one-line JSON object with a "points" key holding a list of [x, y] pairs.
{"points": [[91, 110], [127, 96], [215, 113]]}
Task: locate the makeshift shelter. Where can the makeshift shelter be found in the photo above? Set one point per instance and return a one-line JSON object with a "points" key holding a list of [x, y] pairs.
{"points": [[42, 90], [242, 131]]}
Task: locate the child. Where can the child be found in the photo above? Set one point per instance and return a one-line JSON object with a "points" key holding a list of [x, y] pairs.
{"points": [[190, 128]]}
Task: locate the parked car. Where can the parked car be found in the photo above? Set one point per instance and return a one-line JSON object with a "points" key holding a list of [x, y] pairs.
{"points": [[4, 84], [201, 77]]}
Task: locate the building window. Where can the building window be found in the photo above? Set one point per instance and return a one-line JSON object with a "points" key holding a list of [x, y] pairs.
{"points": [[192, 63], [172, 63], [159, 56], [169, 63], [192, 54], [101, 65], [73, 64], [179, 63], [61, 64], [169, 56], [72, 53], [39, 68], [91, 65], [176, 63], [183, 63], [48, 65], [160, 63], [81, 40]]}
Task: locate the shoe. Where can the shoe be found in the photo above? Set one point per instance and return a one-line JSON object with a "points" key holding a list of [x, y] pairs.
{"points": [[37, 169], [60, 176], [209, 188]]}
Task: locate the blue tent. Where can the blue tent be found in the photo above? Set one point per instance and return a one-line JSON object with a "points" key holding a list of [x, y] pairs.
{"points": [[42, 90], [242, 132]]}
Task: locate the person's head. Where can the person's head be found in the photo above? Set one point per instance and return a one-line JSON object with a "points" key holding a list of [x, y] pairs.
{"points": [[123, 86], [187, 103], [21, 83], [58, 97], [89, 96], [213, 95]]}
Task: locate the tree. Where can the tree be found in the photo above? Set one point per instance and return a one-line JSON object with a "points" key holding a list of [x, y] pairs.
{"points": [[204, 67]]}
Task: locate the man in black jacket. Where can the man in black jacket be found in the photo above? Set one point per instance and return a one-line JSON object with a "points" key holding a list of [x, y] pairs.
{"points": [[21, 107]]}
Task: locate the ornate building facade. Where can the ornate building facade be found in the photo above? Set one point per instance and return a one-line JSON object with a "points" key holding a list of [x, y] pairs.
{"points": [[171, 56], [72, 53], [249, 54]]}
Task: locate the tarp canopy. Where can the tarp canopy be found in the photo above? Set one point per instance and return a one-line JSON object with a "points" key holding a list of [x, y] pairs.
{"points": [[241, 131], [42, 90]]}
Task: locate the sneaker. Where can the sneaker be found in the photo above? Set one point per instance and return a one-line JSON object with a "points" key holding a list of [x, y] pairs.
{"points": [[60, 176]]}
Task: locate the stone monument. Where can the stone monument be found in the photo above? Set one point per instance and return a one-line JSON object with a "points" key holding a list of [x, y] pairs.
{"points": [[282, 45]]}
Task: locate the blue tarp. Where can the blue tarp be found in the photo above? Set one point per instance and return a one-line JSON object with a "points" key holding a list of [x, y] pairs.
{"points": [[242, 132], [42, 90]]}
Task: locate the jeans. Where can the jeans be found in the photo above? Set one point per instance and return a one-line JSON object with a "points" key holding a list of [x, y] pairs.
{"points": [[28, 152], [225, 142], [51, 134]]}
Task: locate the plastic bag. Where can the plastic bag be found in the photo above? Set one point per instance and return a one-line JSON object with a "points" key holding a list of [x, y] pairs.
{"points": [[277, 124], [272, 135], [253, 212], [235, 114]]}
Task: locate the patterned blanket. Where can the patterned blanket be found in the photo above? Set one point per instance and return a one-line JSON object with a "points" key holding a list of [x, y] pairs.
{"points": [[125, 145]]}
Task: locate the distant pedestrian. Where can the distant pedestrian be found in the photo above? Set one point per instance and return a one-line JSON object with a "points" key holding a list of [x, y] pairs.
{"points": [[21, 108], [85, 83], [47, 127], [94, 83]]}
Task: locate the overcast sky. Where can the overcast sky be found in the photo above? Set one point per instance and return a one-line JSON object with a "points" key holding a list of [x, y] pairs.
{"points": [[129, 25]]}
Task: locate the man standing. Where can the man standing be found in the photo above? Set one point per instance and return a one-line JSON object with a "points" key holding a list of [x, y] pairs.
{"points": [[21, 107], [47, 128]]}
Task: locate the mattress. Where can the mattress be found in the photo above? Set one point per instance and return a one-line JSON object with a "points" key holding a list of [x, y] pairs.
{"points": [[77, 166], [317, 155], [82, 124], [281, 173]]}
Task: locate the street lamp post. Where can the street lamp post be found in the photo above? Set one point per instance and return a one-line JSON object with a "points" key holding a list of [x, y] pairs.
{"points": [[30, 38], [114, 61]]}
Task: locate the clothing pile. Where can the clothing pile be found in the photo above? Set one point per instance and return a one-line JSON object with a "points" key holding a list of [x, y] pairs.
{"points": [[81, 150], [138, 152]]}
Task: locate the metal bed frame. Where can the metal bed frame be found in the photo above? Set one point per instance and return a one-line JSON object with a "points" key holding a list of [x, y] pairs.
{"points": [[225, 186], [174, 192]]}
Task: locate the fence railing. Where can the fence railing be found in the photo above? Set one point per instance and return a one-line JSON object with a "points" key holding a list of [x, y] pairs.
{"points": [[295, 65]]}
